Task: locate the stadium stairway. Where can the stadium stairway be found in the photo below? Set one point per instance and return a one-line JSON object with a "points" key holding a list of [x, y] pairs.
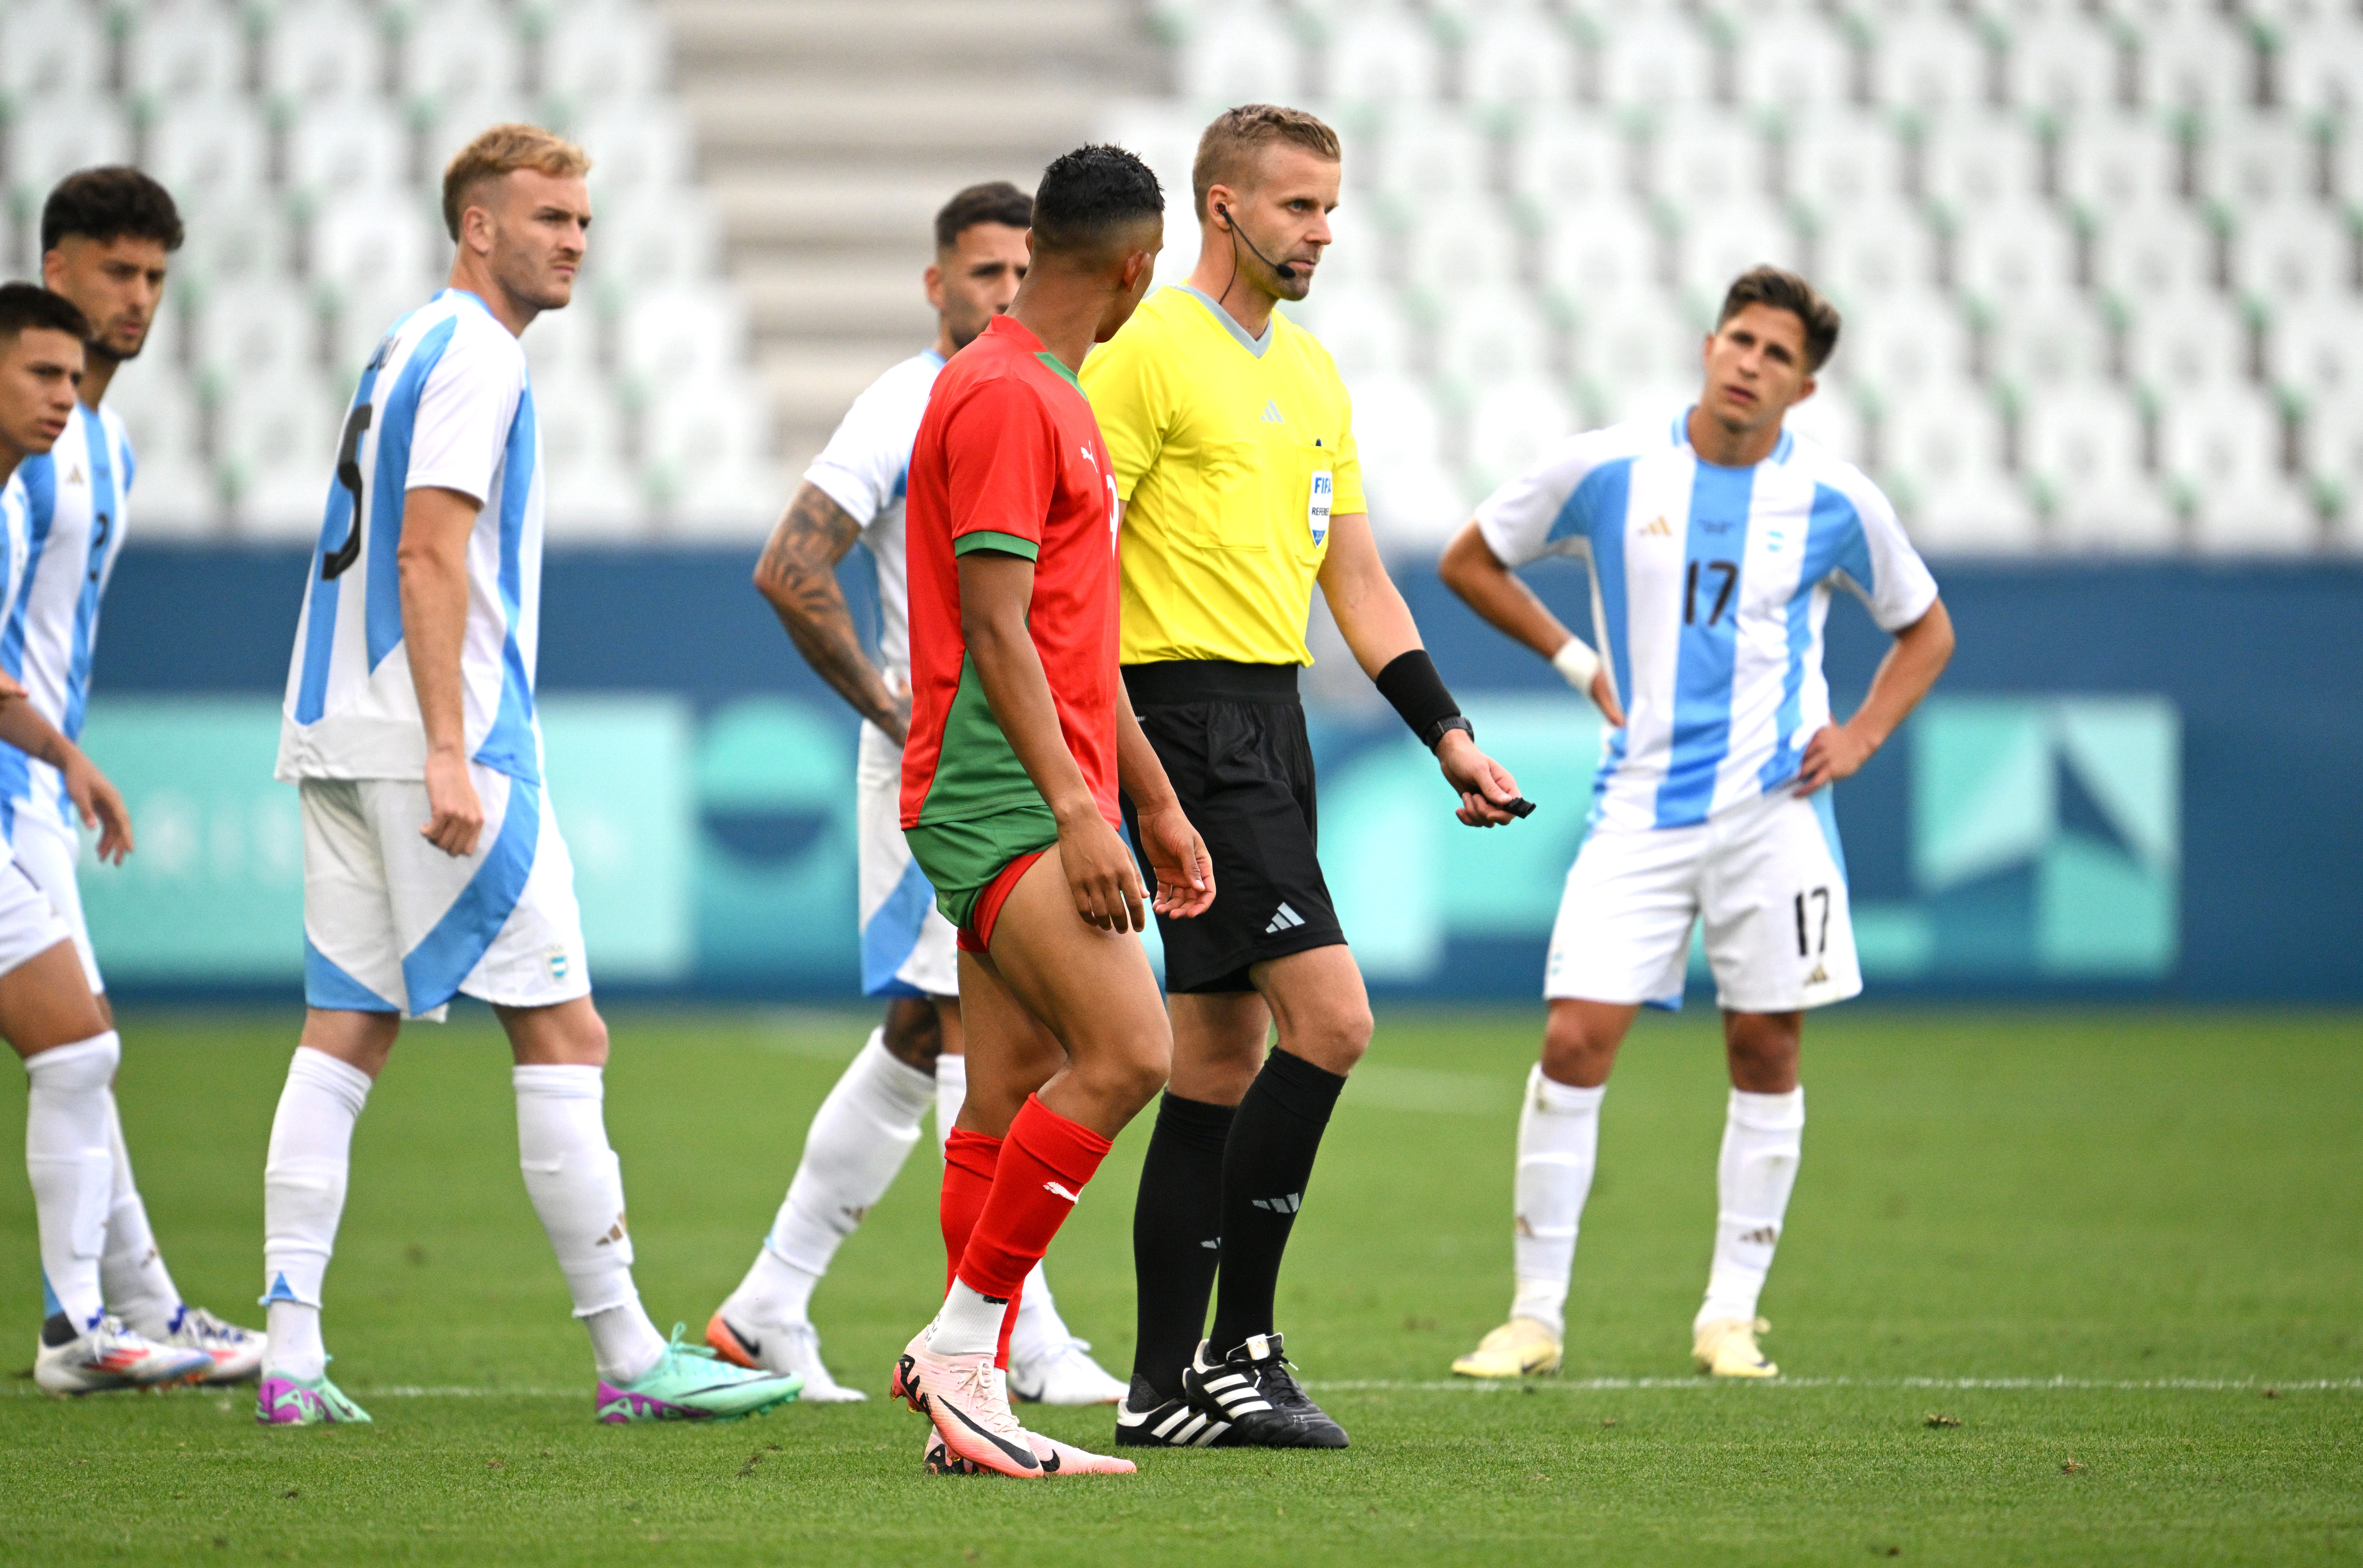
{"points": [[831, 130]]}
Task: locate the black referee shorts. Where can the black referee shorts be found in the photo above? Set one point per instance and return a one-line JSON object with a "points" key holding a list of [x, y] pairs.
{"points": [[1232, 739]]}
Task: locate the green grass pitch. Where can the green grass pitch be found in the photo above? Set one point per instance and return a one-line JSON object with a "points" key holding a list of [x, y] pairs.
{"points": [[2124, 1251]]}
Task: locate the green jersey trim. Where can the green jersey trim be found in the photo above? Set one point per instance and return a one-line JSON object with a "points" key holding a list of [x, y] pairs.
{"points": [[986, 539], [1061, 366], [977, 771]]}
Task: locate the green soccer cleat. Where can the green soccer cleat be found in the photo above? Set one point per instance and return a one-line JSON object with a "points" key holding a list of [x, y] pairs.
{"points": [[284, 1401], [690, 1383]]}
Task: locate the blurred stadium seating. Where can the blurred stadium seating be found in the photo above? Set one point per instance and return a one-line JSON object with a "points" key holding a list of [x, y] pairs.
{"points": [[305, 140], [2098, 259]]}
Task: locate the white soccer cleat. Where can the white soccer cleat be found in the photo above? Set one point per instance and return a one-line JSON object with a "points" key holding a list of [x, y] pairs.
{"points": [[1727, 1348], [112, 1357], [1519, 1348], [790, 1349], [237, 1353], [1063, 1373]]}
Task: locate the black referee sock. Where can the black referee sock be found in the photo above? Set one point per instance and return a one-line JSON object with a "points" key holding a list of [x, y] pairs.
{"points": [[1266, 1166], [1176, 1237]]}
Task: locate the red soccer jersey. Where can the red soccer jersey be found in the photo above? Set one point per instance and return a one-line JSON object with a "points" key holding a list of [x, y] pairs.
{"points": [[1009, 457]]}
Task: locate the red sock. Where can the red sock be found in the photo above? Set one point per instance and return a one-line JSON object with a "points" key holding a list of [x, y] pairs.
{"points": [[1045, 1163], [970, 1159]]}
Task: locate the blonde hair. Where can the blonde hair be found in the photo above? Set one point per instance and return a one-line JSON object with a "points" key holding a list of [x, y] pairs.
{"points": [[1228, 147], [504, 150]]}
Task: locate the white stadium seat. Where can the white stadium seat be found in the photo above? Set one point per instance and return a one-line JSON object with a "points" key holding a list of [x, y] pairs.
{"points": [[1654, 63], [1941, 463], [456, 50], [1518, 56], [253, 331], [1793, 65], [1832, 421], [1484, 335], [2260, 163], [51, 49], [2221, 449], [1908, 342], [1878, 253], [1420, 152], [1361, 324], [66, 135], [653, 239], [360, 317], [675, 335], [1397, 432], [212, 154], [2036, 345], [2199, 64], [1929, 63], [2333, 456], [597, 51], [176, 496], [2140, 252], [1245, 55], [276, 455], [1564, 163], [1458, 242], [376, 240], [2293, 255], [2083, 445], [2318, 68], [2014, 253], [591, 493], [2186, 343], [1710, 160], [1646, 346], [2315, 352], [1714, 245], [1838, 164], [1512, 423], [1361, 250], [2110, 164], [250, 240], [335, 147], [2063, 63], [323, 49], [1379, 54], [1975, 160], [1599, 258], [184, 49]]}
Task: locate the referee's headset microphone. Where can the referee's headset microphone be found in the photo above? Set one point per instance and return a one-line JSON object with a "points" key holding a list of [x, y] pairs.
{"points": [[1287, 272]]}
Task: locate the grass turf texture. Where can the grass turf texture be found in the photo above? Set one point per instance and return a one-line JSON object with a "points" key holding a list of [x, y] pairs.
{"points": [[2125, 1202]]}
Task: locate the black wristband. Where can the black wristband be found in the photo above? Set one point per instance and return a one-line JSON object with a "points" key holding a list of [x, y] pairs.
{"points": [[1418, 693]]}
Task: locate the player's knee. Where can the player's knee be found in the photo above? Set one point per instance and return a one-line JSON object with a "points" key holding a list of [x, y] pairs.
{"points": [[1763, 1049], [1573, 1051], [914, 1033]]}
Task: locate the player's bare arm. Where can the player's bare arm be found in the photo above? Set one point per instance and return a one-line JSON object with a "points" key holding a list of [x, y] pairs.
{"points": [[1919, 655], [25, 727], [797, 575], [1185, 872], [1376, 624], [433, 564], [995, 589], [1472, 570]]}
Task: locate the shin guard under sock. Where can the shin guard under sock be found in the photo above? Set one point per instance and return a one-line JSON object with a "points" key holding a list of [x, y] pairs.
{"points": [[1267, 1163], [1177, 1224]]}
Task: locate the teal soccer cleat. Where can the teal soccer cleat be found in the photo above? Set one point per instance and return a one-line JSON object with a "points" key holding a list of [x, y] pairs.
{"points": [[690, 1383], [284, 1401]]}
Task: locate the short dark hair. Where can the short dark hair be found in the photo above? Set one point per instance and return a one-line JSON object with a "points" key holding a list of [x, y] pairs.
{"points": [[108, 203], [1786, 290], [29, 306], [1088, 194], [995, 201]]}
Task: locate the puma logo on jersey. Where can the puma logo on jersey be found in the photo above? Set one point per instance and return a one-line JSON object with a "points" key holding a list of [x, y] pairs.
{"points": [[1658, 530], [1094, 462], [1272, 412], [1053, 1189]]}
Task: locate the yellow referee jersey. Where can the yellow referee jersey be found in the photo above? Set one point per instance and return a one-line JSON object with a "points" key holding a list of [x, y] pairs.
{"points": [[1231, 453]]}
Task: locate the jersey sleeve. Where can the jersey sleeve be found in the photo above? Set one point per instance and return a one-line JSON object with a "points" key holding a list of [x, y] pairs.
{"points": [[1126, 385], [1533, 510], [1346, 476], [864, 462], [464, 410], [1884, 572], [1000, 457]]}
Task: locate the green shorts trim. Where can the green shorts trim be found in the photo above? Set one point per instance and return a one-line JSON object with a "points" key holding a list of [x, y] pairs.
{"points": [[960, 857]]}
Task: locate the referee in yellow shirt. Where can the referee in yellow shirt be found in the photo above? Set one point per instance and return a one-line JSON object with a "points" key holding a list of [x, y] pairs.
{"points": [[1233, 442]]}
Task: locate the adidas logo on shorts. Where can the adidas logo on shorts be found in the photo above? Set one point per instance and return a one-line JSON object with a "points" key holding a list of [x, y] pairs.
{"points": [[1286, 920]]}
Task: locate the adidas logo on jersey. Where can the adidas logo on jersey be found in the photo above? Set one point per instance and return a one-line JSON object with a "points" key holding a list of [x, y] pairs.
{"points": [[74, 476], [1763, 1236], [1289, 1205], [1272, 412], [1658, 530], [1820, 977], [615, 1233], [1286, 920]]}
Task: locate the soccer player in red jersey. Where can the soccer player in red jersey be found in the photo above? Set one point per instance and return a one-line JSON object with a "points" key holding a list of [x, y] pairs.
{"points": [[1020, 737]]}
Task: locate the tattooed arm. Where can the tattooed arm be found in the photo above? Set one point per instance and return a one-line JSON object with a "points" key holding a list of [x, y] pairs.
{"points": [[798, 575]]}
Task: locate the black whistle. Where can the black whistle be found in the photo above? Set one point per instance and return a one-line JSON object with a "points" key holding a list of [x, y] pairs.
{"points": [[1520, 806]]}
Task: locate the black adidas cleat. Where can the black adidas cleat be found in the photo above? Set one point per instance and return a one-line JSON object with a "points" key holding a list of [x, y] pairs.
{"points": [[1253, 1390], [1143, 1420]]}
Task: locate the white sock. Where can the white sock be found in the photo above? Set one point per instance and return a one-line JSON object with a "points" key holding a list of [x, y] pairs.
{"points": [[969, 1323], [304, 1181], [1039, 1328], [951, 1093], [131, 1272], [73, 1170], [577, 1188], [1762, 1139], [1558, 1145], [860, 1138]]}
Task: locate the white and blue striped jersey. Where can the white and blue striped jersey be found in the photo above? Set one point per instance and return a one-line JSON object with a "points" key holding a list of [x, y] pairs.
{"points": [[16, 533], [444, 404], [866, 469], [76, 494], [1709, 589]]}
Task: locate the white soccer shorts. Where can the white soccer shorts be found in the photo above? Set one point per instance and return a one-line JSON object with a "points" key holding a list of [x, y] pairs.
{"points": [[392, 925], [30, 923], [1767, 876], [46, 852], [908, 948]]}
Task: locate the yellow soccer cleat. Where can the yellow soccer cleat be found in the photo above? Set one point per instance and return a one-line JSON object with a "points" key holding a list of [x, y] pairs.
{"points": [[1727, 1348], [1519, 1348]]}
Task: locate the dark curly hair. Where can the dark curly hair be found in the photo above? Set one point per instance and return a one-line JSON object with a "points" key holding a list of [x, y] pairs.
{"points": [[107, 204], [29, 307], [1088, 194]]}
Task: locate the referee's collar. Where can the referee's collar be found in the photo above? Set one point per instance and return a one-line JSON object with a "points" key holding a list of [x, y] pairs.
{"points": [[1255, 346]]}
